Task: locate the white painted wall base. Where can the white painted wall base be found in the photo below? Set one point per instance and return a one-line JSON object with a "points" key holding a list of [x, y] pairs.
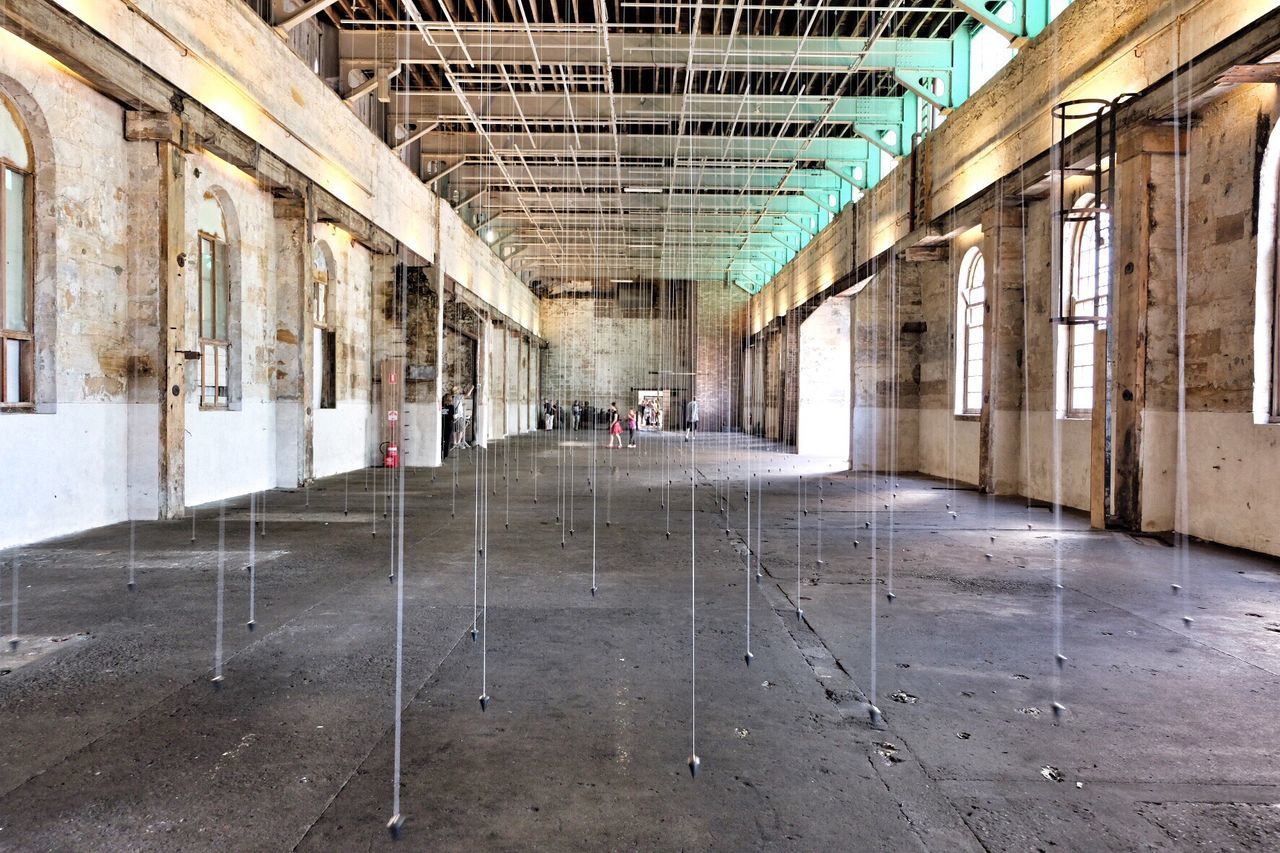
{"points": [[339, 438], [872, 428], [72, 475], [1058, 474], [421, 434], [1233, 468], [948, 446], [229, 453]]}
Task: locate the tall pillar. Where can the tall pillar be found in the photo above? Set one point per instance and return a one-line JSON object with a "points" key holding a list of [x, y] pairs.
{"points": [[1000, 429], [290, 383], [387, 344], [157, 313], [421, 412], [1143, 258], [434, 455]]}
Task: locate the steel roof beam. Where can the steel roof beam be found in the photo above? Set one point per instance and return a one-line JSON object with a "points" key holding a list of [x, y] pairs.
{"points": [[668, 202], [745, 147], [552, 45], [541, 107], [548, 176]]}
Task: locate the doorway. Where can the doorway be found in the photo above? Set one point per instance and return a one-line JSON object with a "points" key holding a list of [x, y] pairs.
{"points": [[826, 380], [653, 408]]}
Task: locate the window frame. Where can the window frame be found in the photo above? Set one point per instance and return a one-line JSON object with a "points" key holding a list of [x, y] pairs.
{"points": [[972, 263], [26, 401], [1273, 413], [1099, 302], [220, 348], [322, 321]]}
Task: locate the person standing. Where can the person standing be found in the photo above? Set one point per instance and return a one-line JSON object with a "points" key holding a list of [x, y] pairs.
{"points": [[577, 415], [446, 424], [631, 428], [546, 415], [691, 419], [460, 418], [615, 425]]}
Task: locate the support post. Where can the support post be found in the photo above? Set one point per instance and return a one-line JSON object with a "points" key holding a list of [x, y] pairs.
{"points": [[173, 313]]}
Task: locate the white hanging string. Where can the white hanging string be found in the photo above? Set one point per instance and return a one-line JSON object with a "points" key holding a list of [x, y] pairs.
{"points": [[694, 761], [217, 637], [400, 294], [799, 527], [476, 550], [13, 601], [252, 567], [484, 601], [1182, 179]]}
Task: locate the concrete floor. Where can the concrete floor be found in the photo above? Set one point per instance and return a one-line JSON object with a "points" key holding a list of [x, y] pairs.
{"points": [[115, 738]]}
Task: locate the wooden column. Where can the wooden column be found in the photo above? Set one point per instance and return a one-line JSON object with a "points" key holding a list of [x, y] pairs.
{"points": [[165, 131]]}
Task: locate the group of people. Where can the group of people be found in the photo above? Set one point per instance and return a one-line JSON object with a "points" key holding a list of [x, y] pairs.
{"points": [[651, 412], [457, 410], [581, 414]]}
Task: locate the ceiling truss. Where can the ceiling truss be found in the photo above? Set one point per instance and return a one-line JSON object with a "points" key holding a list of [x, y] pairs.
{"points": [[597, 139]]}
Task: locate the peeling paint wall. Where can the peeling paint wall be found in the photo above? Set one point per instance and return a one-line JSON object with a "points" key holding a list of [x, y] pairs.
{"points": [[1232, 463], [604, 358], [98, 449], [721, 325], [340, 440], [66, 466], [1022, 443]]}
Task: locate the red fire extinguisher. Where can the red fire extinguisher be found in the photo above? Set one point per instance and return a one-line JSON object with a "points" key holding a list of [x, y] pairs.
{"points": [[390, 455]]}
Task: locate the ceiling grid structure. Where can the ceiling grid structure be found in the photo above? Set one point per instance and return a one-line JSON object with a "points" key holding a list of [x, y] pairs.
{"points": [[598, 140]]}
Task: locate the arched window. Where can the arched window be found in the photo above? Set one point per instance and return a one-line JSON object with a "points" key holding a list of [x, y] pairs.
{"points": [[17, 325], [1266, 329], [1088, 257], [324, 348], [214, 305], [970, 315]]}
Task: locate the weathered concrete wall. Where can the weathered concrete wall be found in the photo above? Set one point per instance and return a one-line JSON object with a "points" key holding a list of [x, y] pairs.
{"points": [[231, 451], [607, 359], [721, 328], [116, 290], [948, 441], [66, 466], [887, 417], [1232, 463], [340, 438], [266, 91], [1022, 442], [821, 263]]}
